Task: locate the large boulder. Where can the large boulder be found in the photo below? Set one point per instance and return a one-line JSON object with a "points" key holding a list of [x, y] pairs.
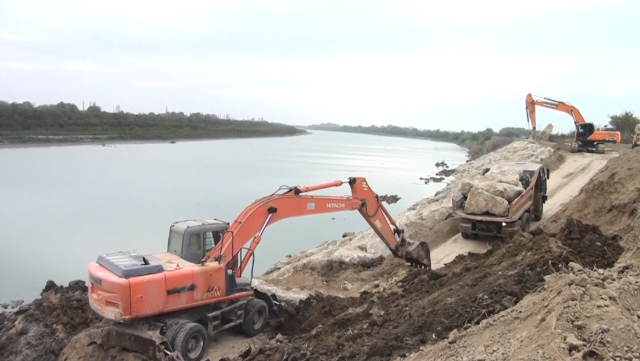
{"points": [[505, 174], [465, 186], [506, 191], [481, 202]]}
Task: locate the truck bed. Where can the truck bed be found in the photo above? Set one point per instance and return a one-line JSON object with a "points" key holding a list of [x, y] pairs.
{"points": [[516, 208]]}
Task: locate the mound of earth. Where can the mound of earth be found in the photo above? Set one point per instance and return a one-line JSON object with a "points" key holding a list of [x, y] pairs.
{"points": [[577, 315], [429, 305], [611, 199], [41, 329]]}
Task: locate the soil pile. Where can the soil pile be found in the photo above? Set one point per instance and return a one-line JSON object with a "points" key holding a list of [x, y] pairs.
{"points": [[611, 199], [429, 305], [41, 329]]}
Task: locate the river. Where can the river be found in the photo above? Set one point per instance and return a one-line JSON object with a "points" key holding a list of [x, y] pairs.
{"points": [[62, 206]]}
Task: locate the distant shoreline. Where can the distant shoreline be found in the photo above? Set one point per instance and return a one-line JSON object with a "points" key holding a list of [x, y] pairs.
{"points": [[132, 141], [391, 136]]}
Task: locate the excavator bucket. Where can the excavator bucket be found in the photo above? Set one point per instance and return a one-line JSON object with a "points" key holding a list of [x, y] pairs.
{"points": [[416, 253]]}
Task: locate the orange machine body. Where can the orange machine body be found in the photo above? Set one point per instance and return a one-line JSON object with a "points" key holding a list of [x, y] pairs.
{"points": [[182, 285]]}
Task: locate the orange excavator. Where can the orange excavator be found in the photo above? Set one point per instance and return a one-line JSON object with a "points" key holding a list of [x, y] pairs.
{"points": [[170, 303], [587, 138]]}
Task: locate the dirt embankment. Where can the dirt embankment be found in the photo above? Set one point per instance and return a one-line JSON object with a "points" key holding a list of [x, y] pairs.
{"points": [[42, 329], [429, 305]]}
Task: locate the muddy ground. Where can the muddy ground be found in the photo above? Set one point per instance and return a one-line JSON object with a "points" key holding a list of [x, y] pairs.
{"points": [[431, 304], [42, 329]]}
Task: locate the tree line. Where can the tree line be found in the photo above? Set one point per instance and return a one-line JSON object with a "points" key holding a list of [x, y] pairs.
{"points": [[24, 122], [480, 142]]}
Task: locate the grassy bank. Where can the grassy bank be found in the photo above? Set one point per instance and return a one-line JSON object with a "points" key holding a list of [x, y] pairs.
{"points": [[65, 123]]}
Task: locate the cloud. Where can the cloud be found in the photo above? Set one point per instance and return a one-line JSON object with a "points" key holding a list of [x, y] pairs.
{"points": [[456, 64]]}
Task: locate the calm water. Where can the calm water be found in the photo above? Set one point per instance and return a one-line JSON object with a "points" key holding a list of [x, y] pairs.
{"points": [[60, 207]]}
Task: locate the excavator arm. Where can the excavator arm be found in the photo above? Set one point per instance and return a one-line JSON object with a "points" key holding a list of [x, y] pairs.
{"points": [[532, 102], [250, 225]]}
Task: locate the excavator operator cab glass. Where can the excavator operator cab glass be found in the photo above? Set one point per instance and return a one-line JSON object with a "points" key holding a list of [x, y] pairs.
{"points": [[175, 242], [209, 241]]}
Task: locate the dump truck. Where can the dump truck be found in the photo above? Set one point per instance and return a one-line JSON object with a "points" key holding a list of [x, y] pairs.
{"points": [[527, 206]]}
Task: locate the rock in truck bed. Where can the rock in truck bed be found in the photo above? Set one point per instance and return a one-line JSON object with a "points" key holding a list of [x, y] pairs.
{"points": [[494, 190]]}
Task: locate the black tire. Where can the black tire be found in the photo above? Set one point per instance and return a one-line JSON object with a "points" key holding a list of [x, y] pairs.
{"points": [[519, 225], [191, 341], [255, 317], [538, 215], [172, 330], [526, 222], [474, 236], [464, 235], [600, 149]]}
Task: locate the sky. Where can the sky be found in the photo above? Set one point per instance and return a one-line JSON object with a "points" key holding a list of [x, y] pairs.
{"points": [[454, 65]]}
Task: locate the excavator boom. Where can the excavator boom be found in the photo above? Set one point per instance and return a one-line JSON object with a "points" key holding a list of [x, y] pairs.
{"points": [[558, 105], [294, 202]]}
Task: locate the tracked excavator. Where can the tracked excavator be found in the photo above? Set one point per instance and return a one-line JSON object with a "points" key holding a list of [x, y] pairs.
{"points": [[587, 138], [167, 305]]}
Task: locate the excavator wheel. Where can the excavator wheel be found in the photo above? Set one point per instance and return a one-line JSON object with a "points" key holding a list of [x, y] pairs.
{"points": [[256, 313], [172, 330], [464, 235], [191, 341]]}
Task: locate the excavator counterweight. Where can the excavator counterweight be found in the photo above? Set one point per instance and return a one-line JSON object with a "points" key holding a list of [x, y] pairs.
{"points": [[196, 288]]}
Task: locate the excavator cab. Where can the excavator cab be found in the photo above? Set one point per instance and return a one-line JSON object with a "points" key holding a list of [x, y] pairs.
{"points": [[584, 131]]}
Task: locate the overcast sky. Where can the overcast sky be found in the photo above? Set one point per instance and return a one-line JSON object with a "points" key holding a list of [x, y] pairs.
{"points": [[451, 64]]}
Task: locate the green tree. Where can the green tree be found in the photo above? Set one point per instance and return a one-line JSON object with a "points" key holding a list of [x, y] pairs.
{"points": [[625, 123]]}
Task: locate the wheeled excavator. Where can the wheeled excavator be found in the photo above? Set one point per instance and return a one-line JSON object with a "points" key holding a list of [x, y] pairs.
{"points": [[587, 138], [170, 303]]}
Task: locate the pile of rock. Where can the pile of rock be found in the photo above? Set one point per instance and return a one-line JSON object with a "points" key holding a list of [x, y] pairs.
{"points": [[494, 191]]}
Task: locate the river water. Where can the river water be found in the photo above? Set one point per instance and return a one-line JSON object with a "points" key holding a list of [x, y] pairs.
{"points": [[60, 207]]}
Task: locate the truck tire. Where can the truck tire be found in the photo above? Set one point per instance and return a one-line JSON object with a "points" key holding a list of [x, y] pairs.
{"points": [[464, 235], [526, 222], [537, 216], [255, 317], [191, 341]]}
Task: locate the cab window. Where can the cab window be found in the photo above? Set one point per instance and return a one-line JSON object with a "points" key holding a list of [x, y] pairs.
{"points": [[194, 243]]}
